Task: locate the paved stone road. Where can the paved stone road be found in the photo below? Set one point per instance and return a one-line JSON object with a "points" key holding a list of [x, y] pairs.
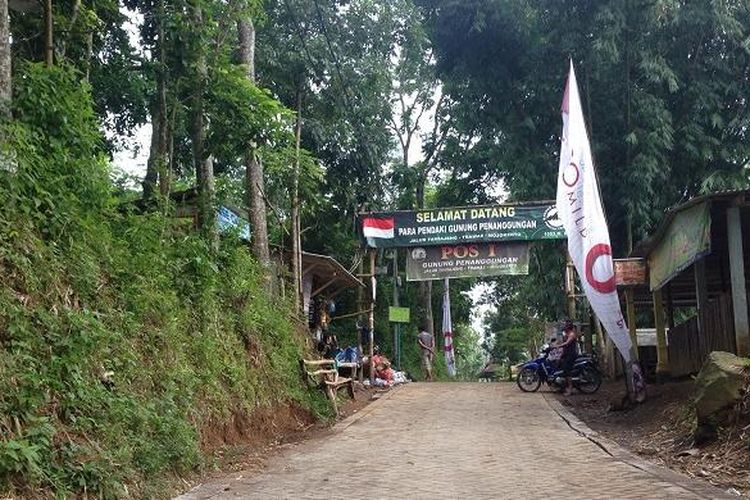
{"points": [[455, 440]]}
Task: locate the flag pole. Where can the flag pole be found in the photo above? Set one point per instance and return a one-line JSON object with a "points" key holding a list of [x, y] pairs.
{"points": [[371, 318]]}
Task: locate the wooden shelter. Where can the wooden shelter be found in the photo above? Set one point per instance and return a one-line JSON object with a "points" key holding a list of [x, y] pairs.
{"points": [[322, 274], [695, 282]]}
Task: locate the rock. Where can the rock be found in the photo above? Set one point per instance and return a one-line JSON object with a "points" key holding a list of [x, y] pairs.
{"points": [[719, 386]]}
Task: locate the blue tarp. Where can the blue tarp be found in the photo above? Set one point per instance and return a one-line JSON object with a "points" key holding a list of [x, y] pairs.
{"points": [[230, 221]]}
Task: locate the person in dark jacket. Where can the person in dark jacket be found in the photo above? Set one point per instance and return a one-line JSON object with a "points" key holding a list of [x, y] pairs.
{"points": [[569, 355]]}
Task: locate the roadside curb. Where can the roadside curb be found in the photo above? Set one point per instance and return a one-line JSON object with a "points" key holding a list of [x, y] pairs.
{"points": [[353, 419], [617, 452]]}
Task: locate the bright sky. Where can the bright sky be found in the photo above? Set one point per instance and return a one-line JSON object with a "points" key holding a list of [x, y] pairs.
{"points": [[132, 160]]}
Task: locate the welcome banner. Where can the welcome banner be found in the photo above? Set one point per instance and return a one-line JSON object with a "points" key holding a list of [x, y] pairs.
{"points": [[456, 225]]}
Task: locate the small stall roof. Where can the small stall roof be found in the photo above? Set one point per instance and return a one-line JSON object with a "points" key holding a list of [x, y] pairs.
{"points": [[644, 248], [329, 272], [681, 287]]}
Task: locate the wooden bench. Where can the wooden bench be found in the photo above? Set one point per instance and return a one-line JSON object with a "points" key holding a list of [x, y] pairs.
{"points": [[324, 374]]}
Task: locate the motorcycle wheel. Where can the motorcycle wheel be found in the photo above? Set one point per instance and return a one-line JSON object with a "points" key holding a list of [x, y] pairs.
{"points": [[589, 381], [528, 380]]}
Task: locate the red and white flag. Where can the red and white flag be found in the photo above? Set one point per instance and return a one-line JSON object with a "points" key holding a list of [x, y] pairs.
{"points": [[381, 228], [450, 359], [580, 208]]}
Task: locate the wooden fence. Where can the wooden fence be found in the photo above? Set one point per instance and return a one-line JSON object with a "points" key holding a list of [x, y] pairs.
{"points": [[688, 348]]}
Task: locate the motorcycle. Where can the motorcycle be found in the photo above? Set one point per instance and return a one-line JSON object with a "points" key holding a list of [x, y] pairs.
{"points": [[585, 374]]}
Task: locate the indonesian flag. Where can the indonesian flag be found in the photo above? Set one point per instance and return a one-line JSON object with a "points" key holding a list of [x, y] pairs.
{"points": [[450, 359], [580, 209], [374, 227]]}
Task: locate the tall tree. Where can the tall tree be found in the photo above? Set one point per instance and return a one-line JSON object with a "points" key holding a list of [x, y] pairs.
{"points": [[254, 176], [157, 167], [202, 161], [663, 86], [341, 63]]}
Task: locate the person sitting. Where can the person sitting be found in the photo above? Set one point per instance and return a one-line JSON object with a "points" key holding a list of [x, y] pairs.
{"points": [[382, 366]]}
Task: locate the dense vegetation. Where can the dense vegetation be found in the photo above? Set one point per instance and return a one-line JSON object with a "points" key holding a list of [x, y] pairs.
{"points": [[124, 336], [125, 333]]}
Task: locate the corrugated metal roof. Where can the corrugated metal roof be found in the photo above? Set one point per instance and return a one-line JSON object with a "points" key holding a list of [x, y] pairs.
{"points": [[329, 268], [644, 248]]}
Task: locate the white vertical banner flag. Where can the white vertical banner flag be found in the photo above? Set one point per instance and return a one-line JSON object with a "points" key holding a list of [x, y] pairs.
{"points": [[580, 209], [450, 360]]}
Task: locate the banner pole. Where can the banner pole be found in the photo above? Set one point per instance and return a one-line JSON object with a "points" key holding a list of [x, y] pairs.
{"points": [[371, 318]]}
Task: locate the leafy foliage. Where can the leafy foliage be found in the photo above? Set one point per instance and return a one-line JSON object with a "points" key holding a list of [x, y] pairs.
{"points": [[123, 337]]}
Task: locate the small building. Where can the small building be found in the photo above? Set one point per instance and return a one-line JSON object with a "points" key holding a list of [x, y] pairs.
{"points": [[695, 281]]}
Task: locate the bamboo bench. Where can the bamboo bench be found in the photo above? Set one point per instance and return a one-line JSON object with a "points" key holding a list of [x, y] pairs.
{"points": [[323, 373]]}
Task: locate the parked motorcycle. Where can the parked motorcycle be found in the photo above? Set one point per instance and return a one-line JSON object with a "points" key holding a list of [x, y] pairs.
{"points": [[585, 374]]}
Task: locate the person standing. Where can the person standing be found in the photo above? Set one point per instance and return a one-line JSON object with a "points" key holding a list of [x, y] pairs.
{"points": [[569, 355], [426, 343]]}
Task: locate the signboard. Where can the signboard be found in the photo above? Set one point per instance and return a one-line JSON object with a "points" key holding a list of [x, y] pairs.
{"points": [[398, 314], [630, 272], [462, 261], [452, 226], [227, 220], [686, 240]]}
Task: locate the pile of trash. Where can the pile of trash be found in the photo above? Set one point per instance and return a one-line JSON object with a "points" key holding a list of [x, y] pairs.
{"points": [[398, 378]]}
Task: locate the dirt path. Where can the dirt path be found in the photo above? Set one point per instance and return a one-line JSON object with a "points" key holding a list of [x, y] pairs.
{"points": [[661, 431], [456, 440]]}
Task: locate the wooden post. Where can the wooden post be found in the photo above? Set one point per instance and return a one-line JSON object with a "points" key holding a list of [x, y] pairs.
{"points": [[360, 307], [608, 351], [737, 275], [395, 304], [371, 322], [570, 287], [662, 355], [701, 294], [588, 339], [630, 304]]}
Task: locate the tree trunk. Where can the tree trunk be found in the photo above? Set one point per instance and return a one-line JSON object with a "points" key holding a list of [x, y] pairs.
{"points": [[48, 39], [157, 167], [5, 61], [162, 159], [203, 164], [254, 181], [246, 48], [152, 174], [296, 239], [165, 182]]}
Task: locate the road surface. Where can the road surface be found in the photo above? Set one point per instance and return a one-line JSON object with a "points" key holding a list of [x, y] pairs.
{"points": [[457, 440]]}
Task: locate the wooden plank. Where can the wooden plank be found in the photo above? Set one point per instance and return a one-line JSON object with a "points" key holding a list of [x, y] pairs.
{"points": [[662, 356], [737, 278], [319, 362], [324, 286], [701, 294], [338, 382], [630, 307]]}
